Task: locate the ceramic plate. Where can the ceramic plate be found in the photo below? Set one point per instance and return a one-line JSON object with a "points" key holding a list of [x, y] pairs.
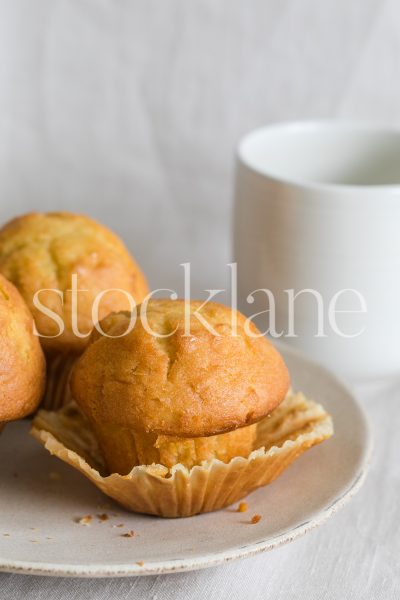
{"points": [[42, 500]]}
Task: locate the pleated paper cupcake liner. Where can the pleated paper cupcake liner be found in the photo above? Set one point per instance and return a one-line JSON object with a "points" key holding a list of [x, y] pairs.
{"points": [[57, 393], [296, 425]]}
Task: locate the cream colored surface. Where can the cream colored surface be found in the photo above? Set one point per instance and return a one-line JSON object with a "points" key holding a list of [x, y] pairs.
{"points": [[333, 471]]}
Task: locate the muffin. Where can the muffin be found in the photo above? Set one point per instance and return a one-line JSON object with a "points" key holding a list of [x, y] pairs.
{"points": [[22, 364], [175, 421], [40, 253], [160, 395]]}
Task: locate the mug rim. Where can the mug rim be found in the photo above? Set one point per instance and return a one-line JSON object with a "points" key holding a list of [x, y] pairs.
{"points": [[313, 125]]}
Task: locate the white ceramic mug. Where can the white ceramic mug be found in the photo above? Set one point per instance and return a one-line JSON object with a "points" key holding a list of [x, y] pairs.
{"points": [[317, 207]]}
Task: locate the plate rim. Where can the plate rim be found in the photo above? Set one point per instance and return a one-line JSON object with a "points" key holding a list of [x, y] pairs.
{"points": [[218, 558]]}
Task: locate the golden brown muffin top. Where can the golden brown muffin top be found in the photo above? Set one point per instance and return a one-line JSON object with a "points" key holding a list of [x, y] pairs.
{"points": [[42, 251], [22, 364], [182, 385]]}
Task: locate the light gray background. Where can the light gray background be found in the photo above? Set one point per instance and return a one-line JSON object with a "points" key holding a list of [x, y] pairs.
{"points": [[130, 110]]}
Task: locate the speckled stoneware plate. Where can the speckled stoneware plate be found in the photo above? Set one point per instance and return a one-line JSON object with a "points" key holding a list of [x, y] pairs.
{"points": [[42, 500]]}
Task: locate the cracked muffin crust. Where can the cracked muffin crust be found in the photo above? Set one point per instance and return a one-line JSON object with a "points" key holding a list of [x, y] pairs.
{"points": [[22, 364], [161, 390], [41, 251]]}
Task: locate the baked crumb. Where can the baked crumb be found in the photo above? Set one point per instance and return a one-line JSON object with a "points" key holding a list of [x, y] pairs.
{"points": [[243, 507], [6, 535], [140, 563], [129, 534], [34, 541], [33, 528], [103, 517], [255, 519], [84, 520]]}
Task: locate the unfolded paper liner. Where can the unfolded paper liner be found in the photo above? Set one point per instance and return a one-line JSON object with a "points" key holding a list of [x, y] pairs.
{"points": [[57, 393], [296, 425]]}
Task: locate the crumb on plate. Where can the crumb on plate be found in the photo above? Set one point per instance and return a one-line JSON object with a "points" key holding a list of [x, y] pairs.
{"points": [[243, 506], [128, 534], [255, 519], [86, 520]]}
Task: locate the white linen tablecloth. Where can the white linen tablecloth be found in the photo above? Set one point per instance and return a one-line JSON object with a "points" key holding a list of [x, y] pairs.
{"points": [[356, 554]]}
